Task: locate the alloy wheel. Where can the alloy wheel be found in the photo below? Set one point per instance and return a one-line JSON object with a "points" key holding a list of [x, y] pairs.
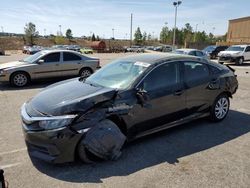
{"points": [[221, 108], [20, 80]]}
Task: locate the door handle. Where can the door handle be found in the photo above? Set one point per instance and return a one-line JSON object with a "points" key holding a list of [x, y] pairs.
{"points": [[178, 92]]}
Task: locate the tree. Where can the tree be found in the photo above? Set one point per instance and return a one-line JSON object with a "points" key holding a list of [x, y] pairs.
{"points": [[69, 34], [93, 37], [164, 35], [59, 40], [97, 38], [138, 36], [144, 37], [30, 33]]}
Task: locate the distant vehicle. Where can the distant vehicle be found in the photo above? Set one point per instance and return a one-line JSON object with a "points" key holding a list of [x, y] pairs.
{"points": [[25, 49], [163, 48], [213, 51], [2, 52], [59, 47], [235, 53], [74, 48], [86, 50], [33, 49], [150, 47], [48, 64], [137, 49], [132, 97], [193, 52]]}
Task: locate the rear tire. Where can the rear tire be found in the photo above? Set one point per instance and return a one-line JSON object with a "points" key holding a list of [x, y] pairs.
{"points": [[240, 61], [220, 108], [85, 72]]}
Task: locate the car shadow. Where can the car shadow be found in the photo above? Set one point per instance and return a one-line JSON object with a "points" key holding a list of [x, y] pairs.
{"points": [[164, 147], [37, 84]]}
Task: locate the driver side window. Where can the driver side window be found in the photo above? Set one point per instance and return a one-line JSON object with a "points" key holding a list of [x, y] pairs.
{"points": [[163, 77], [53, 57]]}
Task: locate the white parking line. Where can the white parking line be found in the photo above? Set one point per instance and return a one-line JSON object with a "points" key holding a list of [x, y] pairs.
{"points": [[9, 165], [13, 151]]}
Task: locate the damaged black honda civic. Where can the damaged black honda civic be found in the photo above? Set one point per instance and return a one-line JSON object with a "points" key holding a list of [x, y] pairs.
{"points": [[91, 119]]}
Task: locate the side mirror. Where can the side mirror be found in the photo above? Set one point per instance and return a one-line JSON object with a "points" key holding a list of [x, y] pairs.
{"points": [[40, 61], [142, 97]]}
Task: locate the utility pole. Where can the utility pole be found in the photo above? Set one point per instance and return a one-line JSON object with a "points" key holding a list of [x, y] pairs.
{"points": [[44, 32], [2, 29], [131, 28], [176, 4]]}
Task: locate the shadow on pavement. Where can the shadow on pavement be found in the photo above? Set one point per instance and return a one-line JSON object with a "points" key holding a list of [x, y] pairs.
{"points": [[164, 147], [33, 85]]}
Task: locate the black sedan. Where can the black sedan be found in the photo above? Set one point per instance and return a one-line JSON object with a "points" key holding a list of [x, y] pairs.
{"points": [[131, 97]]}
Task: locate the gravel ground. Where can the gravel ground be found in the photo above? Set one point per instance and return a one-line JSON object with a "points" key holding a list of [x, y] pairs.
{"points": [[197, 154]]}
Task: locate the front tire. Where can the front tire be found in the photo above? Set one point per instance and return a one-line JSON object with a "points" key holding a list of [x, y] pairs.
{"points": [[19, 79], [220, 108], [102, 142]]}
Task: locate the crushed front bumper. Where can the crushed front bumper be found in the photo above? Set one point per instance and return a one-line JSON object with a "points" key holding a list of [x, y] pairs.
{"points": [[54, 146]]}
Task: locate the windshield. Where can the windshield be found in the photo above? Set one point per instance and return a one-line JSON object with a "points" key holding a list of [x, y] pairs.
{"points": [[209, 48], [32, 58], [235, 48], [118, 74]]}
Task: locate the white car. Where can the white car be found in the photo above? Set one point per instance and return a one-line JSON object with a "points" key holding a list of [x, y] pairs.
{"points": [[193, 52], [235, 53]]}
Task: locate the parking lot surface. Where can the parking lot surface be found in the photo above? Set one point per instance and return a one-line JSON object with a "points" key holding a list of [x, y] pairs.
{"points": [[197, 154]]}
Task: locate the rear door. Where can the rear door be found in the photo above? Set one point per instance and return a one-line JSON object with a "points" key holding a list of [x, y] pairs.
{"points": [[48, 68], [71, 64], [247, 53], [197, 79]]}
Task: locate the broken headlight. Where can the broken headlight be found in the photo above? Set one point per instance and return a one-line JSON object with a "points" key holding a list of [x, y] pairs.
{"points": [[56, 122]]}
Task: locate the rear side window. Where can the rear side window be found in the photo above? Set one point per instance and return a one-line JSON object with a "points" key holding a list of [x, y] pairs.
{"points": [[53, 57], [192, 53], [195, 72], [214, 70], [67, 56]]}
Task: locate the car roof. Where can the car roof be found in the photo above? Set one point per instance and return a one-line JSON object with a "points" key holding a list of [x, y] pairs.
{"points": [[187, 49], [243, 46], [153, 58], [58, 50]]}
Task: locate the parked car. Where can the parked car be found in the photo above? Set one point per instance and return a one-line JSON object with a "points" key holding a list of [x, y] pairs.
{"points": [[47, 64], [235, 53], [2, 52], [213, 51], [127, 99], [193, 52], [33, 49], [25, 49], [74, 48], [137, 49], [86, 50], [163, 48]]}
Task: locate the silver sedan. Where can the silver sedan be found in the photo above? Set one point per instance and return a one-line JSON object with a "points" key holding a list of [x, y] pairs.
{"points": [[48, 64]]}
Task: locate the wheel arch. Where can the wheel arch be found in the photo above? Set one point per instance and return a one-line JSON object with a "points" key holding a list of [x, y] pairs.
{"points": [[120, 123], [89, 68]]}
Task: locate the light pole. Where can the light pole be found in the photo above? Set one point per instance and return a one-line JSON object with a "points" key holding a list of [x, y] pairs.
{"points": [[113, 32], [60, 30], [131, 28], [196, 27], [2, 29], [176, 4]]}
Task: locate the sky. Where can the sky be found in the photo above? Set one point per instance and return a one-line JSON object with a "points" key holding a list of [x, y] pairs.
{"points": [[85, 17]]}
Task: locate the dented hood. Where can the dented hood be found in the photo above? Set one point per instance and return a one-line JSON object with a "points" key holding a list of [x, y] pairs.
{"points": [[67, 97]]}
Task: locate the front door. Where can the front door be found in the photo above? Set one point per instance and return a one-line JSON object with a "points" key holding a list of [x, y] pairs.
{"points": [[47, 69], [166, 101]]}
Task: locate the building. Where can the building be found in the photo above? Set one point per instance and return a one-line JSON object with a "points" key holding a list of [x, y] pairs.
{"points": [[239, 31]]}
